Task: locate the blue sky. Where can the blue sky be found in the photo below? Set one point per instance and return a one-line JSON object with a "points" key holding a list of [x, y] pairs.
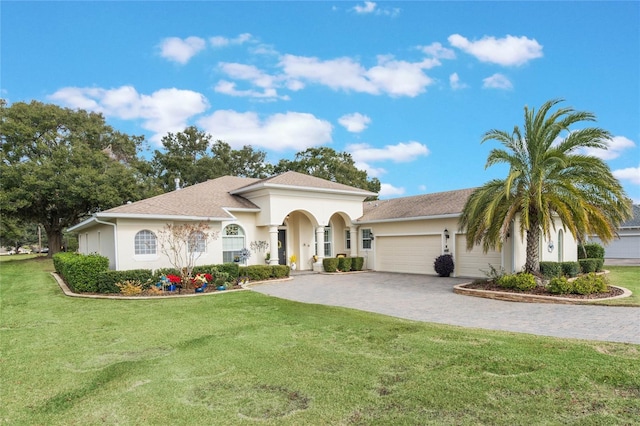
{"points": [[408, 88]]}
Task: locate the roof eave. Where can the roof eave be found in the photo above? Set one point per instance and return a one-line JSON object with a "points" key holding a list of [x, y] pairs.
{"points": [[259, 186], [405, 219], [188, 218]]}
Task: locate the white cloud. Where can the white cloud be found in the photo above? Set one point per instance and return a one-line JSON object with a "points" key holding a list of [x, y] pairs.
{"points": [[388, 190], [399, 153], [165, 110], [617, 144], [354, 123], [497, 81], [508, 51], [220, 41], [395, 78], [178, 50], [438, 51], [370, 7], [632, 174], [278, 132], [454, 82]]}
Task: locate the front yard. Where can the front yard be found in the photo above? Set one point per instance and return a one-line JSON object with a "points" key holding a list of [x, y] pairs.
{"points": [[243, 358]]}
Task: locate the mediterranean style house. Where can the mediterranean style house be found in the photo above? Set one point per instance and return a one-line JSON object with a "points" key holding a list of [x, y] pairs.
{"points": [[312, 218]]}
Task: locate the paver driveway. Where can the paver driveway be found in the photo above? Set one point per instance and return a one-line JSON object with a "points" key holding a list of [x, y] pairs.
{"points": [[431, 299]]}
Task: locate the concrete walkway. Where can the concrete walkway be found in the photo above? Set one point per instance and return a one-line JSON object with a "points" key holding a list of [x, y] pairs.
{"points": [[431, 299]]}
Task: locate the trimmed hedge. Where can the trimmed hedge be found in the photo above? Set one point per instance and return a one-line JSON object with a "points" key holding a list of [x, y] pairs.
{"points": [[107, 280], [357, 263], [330, 264], [79, 271], [444, 265], [592, 250], [550, 269], [344, 264], [264, 272], [570, 269], [588, 265]]}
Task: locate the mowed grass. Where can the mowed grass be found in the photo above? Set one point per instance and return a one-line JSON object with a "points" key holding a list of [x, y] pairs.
{"points": [[627, 277], [245, 358]]}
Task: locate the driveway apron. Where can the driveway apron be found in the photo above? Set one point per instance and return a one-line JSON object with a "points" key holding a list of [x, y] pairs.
{"points": [[431, 299]]}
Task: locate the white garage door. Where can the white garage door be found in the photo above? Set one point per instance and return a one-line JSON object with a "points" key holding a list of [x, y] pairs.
{"points": [[627, 247], [473, 263], [411, 254]]}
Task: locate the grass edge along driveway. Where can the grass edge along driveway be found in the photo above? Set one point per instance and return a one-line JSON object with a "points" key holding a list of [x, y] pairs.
{"points": [[245, 357]]}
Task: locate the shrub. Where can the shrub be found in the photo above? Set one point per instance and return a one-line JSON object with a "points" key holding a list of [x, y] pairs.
{"points": [[494, 274], [344, 264], [80, 272], [570, 269], [599, 264], [560, 285], [233, 269], [522, 282], [130, 287], [257, 272], [588, 265], [330, 264], [590, 251], [551, 269], [357, 263], [444, 265], [589, 284], [280, 271], [107, 280]]}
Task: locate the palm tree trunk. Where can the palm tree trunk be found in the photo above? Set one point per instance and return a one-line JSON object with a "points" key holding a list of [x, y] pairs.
{"points": [[532, 264]]}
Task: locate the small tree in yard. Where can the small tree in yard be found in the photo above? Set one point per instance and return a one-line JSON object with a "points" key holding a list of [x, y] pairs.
{"points": [[180, 243]]}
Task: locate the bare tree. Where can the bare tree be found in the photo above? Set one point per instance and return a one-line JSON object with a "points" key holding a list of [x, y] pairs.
{"points": [[183, 245]]}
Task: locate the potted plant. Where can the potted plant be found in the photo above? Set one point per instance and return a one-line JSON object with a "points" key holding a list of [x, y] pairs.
{"points": [[443, 265], [267, 257], [293, 259]]}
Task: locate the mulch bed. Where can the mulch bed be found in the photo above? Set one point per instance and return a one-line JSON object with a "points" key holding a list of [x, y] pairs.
{"points": [[541, 291]]}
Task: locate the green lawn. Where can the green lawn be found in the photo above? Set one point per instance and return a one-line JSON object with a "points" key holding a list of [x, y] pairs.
{"points": [[245, 358], [627, 277]]}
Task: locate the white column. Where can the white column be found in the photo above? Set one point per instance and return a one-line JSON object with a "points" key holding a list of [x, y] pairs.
{"points": [[317, 266], [353, 233], [273, 245]]}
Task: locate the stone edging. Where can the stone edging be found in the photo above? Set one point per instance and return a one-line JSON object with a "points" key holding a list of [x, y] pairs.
{"points": [[67, 291], [531, 298]]}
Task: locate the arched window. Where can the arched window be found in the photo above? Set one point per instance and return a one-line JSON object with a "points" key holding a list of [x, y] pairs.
{"points": [[145, 242], [560, 246], [197, 242], [232, 243]]}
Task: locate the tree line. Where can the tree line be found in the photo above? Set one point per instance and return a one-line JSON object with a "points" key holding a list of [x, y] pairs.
{"points": [[58, 166]]}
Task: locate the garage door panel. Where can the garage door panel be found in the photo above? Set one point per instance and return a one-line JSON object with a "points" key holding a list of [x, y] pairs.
{"points": [[625, 247], [410, 254], [473, 263]]}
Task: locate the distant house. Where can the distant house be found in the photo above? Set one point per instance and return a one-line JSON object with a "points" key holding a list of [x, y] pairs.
{"points": [[627, 243], [301, 215]]}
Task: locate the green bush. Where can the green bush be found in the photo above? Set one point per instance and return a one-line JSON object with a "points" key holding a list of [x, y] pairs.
{"points": [[570, 269], [280, 271], [330, 264], [560, 285], [233, 269], [588, 265], [357, 263], [80, 272], [344, 264], [590, 284], [522, 282], [590, 251], [550, 269], [599, 264], [107, 280], [257, 272]]}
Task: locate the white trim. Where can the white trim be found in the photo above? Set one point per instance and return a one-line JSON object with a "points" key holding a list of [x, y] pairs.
{"points": [[160, 217], [412, 234], [408, 219], [258, 186]]}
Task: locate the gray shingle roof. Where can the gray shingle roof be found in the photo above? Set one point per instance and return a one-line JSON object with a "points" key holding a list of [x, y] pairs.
{"points": [[440, 203], [302, 181], [634, 221], [206, 199]]}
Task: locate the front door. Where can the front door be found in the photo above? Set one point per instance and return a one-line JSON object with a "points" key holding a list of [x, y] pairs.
{"points": [[282, 246]]}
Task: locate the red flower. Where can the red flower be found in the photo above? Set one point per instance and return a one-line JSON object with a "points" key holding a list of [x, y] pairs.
{"points": [[174, 279], [209, 277]]}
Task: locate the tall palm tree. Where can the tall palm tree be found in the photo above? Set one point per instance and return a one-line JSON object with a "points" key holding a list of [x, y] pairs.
{"points": [[548, 177]]}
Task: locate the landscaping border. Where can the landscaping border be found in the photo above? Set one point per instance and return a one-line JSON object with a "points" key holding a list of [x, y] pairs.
{"points": [[531, 298]]}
